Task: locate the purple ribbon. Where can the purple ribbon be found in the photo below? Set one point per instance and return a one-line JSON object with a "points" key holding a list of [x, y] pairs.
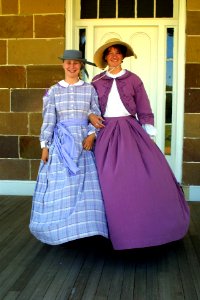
{"points": [[66, 148]]}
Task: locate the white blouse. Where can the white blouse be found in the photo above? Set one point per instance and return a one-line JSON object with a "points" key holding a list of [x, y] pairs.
{"points": [[116, 108]]}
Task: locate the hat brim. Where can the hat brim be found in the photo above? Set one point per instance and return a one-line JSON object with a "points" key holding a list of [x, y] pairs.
{"points": [[85, 61], [98, 56]]}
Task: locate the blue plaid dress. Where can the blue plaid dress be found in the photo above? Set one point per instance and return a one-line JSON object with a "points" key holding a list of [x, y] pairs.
{"points": [[67, 202]]}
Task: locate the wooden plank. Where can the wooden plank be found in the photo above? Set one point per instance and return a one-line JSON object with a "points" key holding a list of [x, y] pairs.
{"points": [[13, 227], [96, 247], [140, 281], [14, 240], [17, 266], [118, 276], [67, 289], [163, 274], [152, 273], [175, 283], [58, 281], [189, 290], [192, 248], [37, 277], [128, 284], [31, 268], [10, 208], [93, 279], [82, 278], [11, 295], [46, 273], [18, 212], [6, 205], [10, 204], [13, 246], [106, 277]]}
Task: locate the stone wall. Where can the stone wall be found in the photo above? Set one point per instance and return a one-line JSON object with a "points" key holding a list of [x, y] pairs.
{"points": [[191, 150], [32, 36]]}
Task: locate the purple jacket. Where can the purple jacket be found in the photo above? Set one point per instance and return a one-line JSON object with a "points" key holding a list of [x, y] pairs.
{"points": [[132, 94]]}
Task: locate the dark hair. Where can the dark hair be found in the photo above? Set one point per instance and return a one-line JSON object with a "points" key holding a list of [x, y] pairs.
{"points": [[119, 47]]}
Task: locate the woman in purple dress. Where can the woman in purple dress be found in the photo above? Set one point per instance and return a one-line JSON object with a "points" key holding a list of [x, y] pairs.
{"points": [[144, 203]]}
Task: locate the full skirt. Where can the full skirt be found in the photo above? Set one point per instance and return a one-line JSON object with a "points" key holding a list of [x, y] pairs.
{"points": [[145, 205]]}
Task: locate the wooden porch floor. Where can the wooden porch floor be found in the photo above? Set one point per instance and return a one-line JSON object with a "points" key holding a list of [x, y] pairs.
{"points": [[89, 268]]}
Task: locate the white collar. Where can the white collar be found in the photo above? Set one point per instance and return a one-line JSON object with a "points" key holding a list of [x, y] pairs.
{"points": [[63, 83], [122, 72]]}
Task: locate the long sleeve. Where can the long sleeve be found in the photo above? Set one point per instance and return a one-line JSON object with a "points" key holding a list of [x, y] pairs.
{"points": [[143, 108], [94, 109], [49, 119]]}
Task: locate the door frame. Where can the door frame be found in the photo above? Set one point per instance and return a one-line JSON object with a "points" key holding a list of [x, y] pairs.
{"points": [[179, 23]]}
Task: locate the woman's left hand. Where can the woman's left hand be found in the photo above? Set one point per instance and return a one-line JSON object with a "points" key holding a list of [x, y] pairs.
{"points": [[88, 142], [96, 121]]}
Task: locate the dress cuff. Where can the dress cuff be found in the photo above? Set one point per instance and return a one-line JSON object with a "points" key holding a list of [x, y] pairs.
{"points": [[150, 129], [43, 144]]}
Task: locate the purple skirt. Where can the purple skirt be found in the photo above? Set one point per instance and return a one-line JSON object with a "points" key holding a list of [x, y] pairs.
{"points": [[144, 203]]}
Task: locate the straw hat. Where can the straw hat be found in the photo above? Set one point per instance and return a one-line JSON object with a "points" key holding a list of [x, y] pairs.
{"points": [[98, 55], [75, 55]]}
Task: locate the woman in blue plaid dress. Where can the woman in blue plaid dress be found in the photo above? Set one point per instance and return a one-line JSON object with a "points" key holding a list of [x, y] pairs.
{"points": [[67, 202]]}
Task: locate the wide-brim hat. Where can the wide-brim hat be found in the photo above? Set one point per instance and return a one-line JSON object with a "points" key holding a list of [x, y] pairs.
{"points": [[75, 55], [98, 55]]}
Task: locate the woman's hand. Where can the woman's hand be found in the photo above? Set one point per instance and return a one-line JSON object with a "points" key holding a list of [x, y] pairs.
{"points": [[96, 121], [88, 142], [45, 155]]}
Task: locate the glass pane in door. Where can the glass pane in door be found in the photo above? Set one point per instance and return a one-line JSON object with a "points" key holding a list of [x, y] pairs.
{"points": [[107, 8], [169, 90], [145, 8], [88, 9], [126, 9], [164, 9]]}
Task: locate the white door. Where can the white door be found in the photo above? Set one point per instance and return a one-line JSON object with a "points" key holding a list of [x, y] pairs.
{"points": [[150, 39]]}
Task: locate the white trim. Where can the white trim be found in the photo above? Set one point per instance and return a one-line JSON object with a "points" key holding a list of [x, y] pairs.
{"points": [[160, 107], [69, 18], [17, 187], [178, 157], [26, 188], [192, 192]]}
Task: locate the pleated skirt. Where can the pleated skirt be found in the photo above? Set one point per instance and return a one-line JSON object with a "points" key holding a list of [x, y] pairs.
{"points": [[145, 205]]}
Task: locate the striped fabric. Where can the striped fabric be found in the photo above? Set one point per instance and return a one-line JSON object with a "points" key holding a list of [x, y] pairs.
{"points": [[66, 206]]}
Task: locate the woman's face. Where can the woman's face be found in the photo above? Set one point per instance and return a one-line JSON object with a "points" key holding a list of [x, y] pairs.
{"points": [[114, 57], [72, 68]]}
